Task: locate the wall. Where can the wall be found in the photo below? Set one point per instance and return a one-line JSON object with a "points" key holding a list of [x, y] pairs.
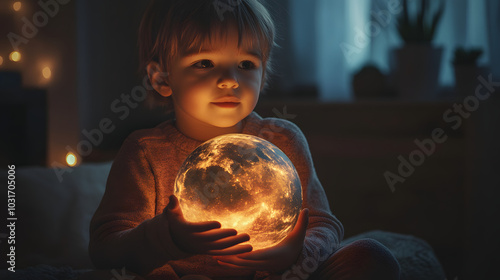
{"points": [[108, 73], [48, 40]]}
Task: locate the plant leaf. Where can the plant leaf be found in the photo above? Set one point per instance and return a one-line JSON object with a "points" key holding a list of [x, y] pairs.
{"points": [[436, 19]]}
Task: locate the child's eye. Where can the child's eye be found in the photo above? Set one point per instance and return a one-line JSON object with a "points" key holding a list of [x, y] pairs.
{"points": [[203, 64], [247, 65]]}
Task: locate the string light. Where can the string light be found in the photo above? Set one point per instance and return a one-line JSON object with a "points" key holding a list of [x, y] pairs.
{"points": [[46, 72], [15, 56], [71, 159], [17, 6]]}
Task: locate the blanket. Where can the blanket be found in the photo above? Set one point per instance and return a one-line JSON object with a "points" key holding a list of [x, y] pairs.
{"points": [[415, 256], [43, 272]]}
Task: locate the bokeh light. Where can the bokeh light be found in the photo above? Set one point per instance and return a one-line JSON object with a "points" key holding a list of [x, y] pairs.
{"points": [[15, 56], [17, 6], [47, 73], [71, 159]]}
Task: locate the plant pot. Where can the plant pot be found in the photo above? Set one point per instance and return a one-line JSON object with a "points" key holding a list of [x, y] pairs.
{"points": [[466, 79], [415, 71]]}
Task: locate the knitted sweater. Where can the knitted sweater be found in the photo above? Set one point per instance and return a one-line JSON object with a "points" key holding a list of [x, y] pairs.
{"points": [[129, 230]]}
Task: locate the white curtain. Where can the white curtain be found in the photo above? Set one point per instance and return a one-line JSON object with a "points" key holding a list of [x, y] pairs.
{"points": [[332, 39]]}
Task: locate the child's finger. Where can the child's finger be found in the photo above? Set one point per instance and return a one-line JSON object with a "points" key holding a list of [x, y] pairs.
{"points": [[215, 234], [173, 210], [228, 242], [242, 263], [174, 214], [173, 202], [235, 250], [233, 266], [202, 226], [262, 254], [299, 231]]}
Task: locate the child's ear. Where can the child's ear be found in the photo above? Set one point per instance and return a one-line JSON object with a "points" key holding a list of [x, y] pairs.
{"points": [[158, 79]]}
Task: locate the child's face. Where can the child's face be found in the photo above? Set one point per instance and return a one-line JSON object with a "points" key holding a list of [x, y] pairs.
{"points": [[218, 86]]}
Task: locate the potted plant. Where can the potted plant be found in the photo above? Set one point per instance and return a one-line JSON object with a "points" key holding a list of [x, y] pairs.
{"points": [[416, 65], [466, 70]]}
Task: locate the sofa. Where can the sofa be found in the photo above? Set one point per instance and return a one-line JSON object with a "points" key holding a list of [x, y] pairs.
{"points": [[52, 227]]}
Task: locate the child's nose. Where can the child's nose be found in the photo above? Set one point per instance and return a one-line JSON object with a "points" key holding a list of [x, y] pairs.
{"points": [[228, 80]]}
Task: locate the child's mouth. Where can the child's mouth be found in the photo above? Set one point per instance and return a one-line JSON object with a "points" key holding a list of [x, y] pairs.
{"points": [[226, 104]]}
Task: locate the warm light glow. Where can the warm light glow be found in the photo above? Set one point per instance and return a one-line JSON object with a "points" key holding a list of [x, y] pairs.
{"points": [[15, 56], [1, 60], [244, 182], [46, 72], [17, 6], [71, 159]]}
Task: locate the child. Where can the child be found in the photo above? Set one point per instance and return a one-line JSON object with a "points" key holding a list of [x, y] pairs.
{"points": [[209, 59]]}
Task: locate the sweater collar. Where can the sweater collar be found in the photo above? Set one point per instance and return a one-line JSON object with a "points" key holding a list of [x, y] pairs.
{"points": [[187, 144]]}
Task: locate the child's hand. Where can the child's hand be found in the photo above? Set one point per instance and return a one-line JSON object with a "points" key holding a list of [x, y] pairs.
{"points": [[274, 259], [203, 238]]}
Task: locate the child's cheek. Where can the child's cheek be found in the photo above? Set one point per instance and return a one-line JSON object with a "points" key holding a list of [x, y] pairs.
{"points": [[254, 79], [197, 80]]}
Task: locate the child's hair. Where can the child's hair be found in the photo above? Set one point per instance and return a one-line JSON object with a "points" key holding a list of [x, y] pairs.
{"points": [[171, 27]]}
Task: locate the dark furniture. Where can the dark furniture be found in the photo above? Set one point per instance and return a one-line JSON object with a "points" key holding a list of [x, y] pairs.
{"points": [[23, 126]]}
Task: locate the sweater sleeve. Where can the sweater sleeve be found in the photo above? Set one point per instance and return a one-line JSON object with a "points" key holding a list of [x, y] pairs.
{"points": [[124, 231], [324, 232]]}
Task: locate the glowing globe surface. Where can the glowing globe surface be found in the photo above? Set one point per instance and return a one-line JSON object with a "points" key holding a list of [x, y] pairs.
{"points": [[245, 183]]}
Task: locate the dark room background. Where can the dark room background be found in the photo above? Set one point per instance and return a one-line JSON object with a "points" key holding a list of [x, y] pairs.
{"points": [[91, 49]]}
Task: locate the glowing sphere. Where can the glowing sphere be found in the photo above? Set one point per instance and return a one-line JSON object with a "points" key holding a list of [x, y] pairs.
{"points": [[245, 183]]}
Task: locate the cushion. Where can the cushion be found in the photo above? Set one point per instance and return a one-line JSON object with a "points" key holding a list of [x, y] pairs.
{"points": [[53, 215], [415, 256]]}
